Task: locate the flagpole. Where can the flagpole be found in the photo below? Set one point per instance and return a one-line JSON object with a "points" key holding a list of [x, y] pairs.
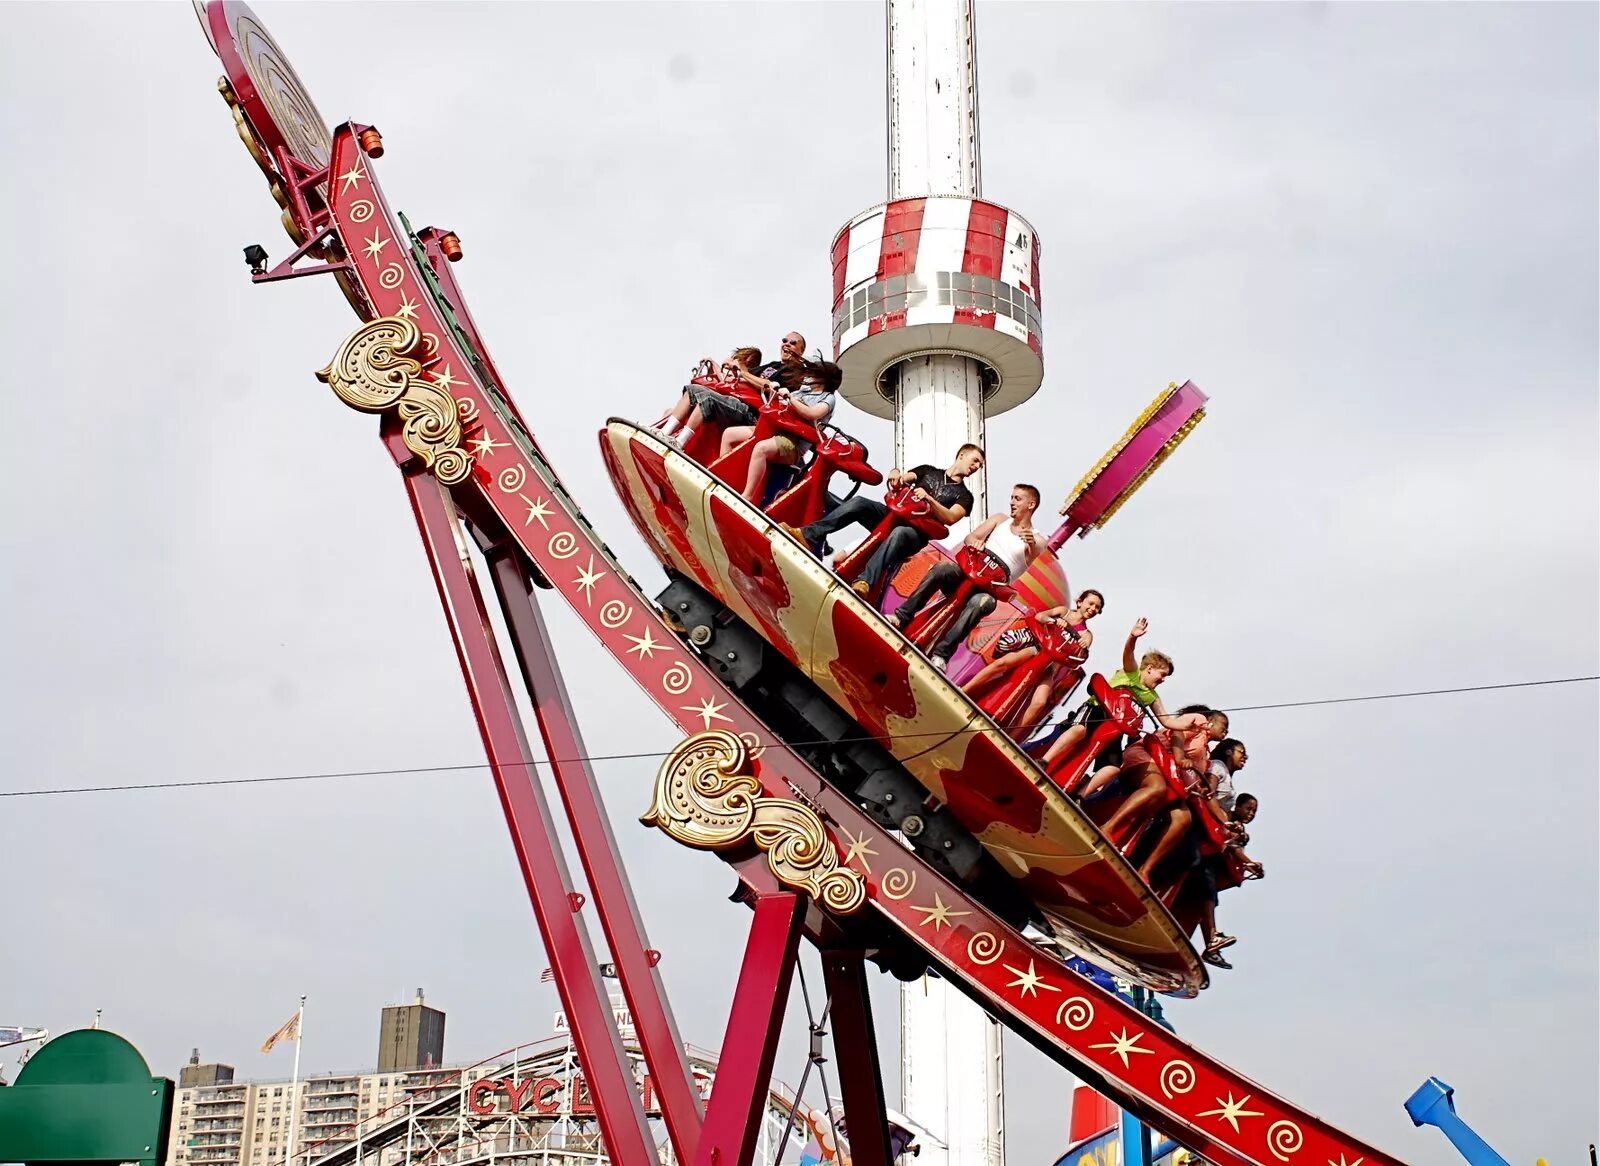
{"points": [[294, 1087]]}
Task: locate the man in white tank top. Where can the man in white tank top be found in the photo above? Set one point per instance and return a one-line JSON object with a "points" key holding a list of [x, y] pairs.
{"points": [[1010, 538]]}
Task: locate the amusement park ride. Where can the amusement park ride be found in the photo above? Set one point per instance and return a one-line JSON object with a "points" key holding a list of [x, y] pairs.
{"points": [[865, 802]]}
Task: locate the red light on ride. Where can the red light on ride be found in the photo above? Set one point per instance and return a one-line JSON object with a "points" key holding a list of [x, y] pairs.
{"points": [[372, 142], [450, 245]]}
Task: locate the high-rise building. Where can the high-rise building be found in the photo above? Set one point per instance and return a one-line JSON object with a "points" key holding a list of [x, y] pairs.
{"points": [[218, 1121], [246, 1123], [410, 1036], [195, 1074]]}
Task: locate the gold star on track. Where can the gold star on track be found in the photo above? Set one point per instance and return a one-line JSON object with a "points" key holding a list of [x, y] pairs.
{"points": [[375, 244], [485, 445], [1029, 981], [858, 850], [708, 710], [1232, 1111], [939, 914], [352, 176], [407, 309], [645, 645], [445, 379], [587, 578], [1121, 1044], [539, 510], [1342, 1162]]}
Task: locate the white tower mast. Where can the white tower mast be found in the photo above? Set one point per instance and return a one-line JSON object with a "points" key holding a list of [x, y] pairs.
{"points": [[933, 151], [936, 324]]}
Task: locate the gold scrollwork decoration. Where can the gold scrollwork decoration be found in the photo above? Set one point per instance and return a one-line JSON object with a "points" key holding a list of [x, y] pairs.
{"points": [[375, 370], [706, 797]]}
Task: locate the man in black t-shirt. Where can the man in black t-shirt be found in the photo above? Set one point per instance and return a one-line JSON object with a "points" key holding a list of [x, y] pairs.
{"points": [[947, 496]]}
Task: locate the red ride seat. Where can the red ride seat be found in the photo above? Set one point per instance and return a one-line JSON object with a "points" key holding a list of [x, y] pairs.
{"points": [[705, 445], [773, 417], [904, 507], [837, 452], [1124, 718], [981, 571], [1060, 658]]}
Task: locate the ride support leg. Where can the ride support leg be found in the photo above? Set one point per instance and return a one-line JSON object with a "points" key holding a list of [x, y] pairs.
{"points": [[597, 850], [550, 886], [856, 1051], [744, 1070]]}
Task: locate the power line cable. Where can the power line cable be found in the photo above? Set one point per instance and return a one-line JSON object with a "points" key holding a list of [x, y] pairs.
{"points": [[656, 754]]}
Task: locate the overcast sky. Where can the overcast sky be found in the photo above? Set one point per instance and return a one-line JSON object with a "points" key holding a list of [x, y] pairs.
{"points": [[1368, 231]]}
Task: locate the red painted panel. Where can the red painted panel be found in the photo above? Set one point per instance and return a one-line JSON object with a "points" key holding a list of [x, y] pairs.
{"points": [[902, 231], [986, 240], [988, 786]]}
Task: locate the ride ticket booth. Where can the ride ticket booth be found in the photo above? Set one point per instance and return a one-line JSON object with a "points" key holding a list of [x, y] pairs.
{"points": [[87, 1096]]}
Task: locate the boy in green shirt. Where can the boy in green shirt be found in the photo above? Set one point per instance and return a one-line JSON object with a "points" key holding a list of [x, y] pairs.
{"points": [[1140, 677]]}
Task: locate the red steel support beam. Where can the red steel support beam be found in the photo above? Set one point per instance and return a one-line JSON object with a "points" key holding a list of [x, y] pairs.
{"points": [[544, 868], [744, 1070], [855, 1048], [597, 849]]}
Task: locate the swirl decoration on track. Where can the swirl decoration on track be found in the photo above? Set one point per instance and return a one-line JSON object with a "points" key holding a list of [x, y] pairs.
{"points": [[1075, 1013], [1177, 1077], [984, 948], [374, 371], [614, 613], [1284, 1138], [705, 797], [898, 883]]}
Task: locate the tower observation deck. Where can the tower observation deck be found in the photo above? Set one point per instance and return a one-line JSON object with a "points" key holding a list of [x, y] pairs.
{"points": [[936, 309]]}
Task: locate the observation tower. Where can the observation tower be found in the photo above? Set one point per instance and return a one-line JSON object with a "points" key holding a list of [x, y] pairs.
{"points": [[936, 291], [936, 325]]}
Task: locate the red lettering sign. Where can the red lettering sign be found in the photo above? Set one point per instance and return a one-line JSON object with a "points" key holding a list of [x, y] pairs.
{"points": [[478, 1099]]}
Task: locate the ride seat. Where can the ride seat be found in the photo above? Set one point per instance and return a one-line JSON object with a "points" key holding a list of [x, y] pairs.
{"points": [[806, 499], [904, 508], [981, 571]]}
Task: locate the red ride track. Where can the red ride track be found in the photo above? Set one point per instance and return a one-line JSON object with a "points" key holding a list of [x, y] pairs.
{"points": [[1168, 1083], [1098, 1036]]}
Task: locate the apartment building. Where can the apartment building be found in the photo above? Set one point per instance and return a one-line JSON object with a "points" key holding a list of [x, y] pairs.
{"points": [[218, 1121]]}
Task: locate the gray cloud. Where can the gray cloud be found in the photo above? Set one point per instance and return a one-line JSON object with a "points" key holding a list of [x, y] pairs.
{"points": [[1368, 231]]}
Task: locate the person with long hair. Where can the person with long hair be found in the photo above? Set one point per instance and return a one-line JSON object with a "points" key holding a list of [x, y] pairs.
{"points": [[808, 389]]}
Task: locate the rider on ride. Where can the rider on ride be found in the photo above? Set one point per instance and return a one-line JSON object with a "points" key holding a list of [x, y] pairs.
{"points": [[1227, 759], [947, 497], [1019, 645], [1141, 677], [1008, 537], [698, 405], [812, 398]]}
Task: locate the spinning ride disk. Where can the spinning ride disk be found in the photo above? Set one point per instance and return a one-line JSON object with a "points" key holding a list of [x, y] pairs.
{"points": [[707, 533]]}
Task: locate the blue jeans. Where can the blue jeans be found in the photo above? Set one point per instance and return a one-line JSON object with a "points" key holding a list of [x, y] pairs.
{"points": [[901, 543], [947, 577]]}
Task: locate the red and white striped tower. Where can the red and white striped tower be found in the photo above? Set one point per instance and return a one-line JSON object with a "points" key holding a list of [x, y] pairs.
{"points": [[936, 324], [936, 292]]}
